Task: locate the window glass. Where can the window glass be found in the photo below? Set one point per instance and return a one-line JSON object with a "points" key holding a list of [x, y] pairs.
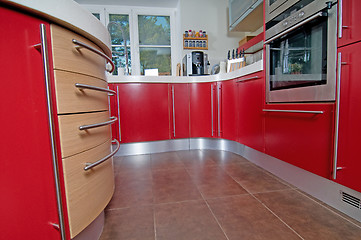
{"points": [[154, 30], [119, 59], [152, 57], [97, 15]]}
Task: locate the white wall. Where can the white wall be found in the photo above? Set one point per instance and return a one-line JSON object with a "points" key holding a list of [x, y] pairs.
{"points": [[211, 16]]}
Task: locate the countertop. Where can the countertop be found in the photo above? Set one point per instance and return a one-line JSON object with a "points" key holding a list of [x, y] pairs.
{"points": [[69, 14], [255, 67]]}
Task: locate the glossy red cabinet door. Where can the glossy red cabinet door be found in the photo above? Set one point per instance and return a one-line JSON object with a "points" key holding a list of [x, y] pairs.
{"points": [[250, 102], [301, 139], [28, 197], [227, 110], [144, 112], [350, 118], [350, 20], [203, 106], [179, 110]]}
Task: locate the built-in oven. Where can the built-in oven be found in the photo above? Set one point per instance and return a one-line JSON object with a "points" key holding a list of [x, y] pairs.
{"points": [[300, 40]]}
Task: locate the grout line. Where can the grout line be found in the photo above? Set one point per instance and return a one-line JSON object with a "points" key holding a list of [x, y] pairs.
{"points": [[328, 208], [214, 216]]}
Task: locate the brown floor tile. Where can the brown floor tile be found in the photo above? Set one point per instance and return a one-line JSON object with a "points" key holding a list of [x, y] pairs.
{"points": [[133, 162], [186, 221], [195, 159], [213, 181], [243, 217], [129, 223], [307, 217], [224, 158], [167, 160], [132, 188], [173, 186], [253, 178]]}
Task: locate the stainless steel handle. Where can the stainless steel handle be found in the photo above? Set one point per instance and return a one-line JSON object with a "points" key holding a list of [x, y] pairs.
{"points": [[212, 109], [320, 14], [248, 79], [120, 133], [47, 77], [219, 92], [85, 86], [292, 111], [84, 45], [91, 165], [111, 121], [337, 115], [173, 107]]}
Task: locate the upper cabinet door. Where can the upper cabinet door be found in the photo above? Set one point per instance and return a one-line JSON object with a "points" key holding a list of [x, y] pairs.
{"points": [[349, 27], [28, 197]]}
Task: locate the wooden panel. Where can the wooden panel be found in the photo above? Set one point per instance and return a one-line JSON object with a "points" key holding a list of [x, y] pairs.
{"points": [[87, 192], [74, 140], [71, 99], [67, 57]]}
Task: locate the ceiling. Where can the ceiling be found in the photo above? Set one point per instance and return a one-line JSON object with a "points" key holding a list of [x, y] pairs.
{"points": [[139, 3]]}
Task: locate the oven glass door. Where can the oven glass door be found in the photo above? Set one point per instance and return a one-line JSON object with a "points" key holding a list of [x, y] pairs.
{"points": [[299, 59]]}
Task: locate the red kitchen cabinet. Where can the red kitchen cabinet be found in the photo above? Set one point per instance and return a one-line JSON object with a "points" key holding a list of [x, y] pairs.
{"points": [[179, 108], [349, 22], [203, 110], [144, 112], [348, 161], [301, 134], [250, 101], [28, 205], [227, 110]]}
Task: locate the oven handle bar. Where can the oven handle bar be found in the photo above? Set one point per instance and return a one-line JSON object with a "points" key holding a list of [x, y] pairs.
{"points": [[292, 111], [320, 14]]}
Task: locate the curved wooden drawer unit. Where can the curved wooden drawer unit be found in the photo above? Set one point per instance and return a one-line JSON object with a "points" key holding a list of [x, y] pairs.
{"points": [[88, 192], [71, 99], [68, 57], [73, 140]]}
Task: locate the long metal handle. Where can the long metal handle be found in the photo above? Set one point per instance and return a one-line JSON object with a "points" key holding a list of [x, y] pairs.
{"points": [[173, 107], [219, 92], [320, 14], [120, 132], [292, 111], [47, 76], [337, 115], [111, 121], [91, 165], [340, 18], [80, 44], [85, 86], [212, 109], [248, 79]]}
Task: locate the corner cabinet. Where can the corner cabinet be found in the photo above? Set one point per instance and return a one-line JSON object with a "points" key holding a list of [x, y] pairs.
{"points": [[57, 153]]}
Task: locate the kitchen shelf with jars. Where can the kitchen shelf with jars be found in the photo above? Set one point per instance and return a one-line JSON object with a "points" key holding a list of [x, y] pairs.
{"points": [[195, 40]]}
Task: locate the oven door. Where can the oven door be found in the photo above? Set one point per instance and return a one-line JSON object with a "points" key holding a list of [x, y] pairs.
{"points": [[300, 64]]}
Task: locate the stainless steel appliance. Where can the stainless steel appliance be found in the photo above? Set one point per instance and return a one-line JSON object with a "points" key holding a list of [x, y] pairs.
{"points": [[195, 63], [300, 50]]}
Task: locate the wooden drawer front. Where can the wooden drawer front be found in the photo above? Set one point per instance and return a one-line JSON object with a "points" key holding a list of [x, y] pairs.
{"points": [[71, 99], [74, 140], [67, 57], [87, 192]]}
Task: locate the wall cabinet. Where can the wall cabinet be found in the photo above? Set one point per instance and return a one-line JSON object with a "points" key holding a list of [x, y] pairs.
{"points": [[144, 112], [349, 22], [301, 134], [250, 101], [245, 15], [348, 161], [179, 108]]}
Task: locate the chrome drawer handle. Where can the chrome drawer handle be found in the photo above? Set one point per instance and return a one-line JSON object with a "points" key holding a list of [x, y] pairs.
{"points": [[81, 44], [95, 125], [248, 79], [91, 165], [84, 86], [293, 111]]}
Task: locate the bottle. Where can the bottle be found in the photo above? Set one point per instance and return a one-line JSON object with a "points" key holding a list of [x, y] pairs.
{"points": [[186, 43], [200, 33], [204, 34], [186, 34]]}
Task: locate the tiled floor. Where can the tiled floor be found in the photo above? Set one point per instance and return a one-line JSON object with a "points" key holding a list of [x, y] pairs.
{"points": [[211, 195]]}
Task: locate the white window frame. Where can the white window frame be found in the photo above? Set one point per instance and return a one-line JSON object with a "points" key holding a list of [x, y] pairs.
{"points": [[133, 13]]}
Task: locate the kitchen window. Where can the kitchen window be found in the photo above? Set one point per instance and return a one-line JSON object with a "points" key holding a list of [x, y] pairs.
{"points": [[141, 38]]}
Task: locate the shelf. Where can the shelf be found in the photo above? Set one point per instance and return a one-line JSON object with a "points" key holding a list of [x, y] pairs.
{"points": [[202, 42]]}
